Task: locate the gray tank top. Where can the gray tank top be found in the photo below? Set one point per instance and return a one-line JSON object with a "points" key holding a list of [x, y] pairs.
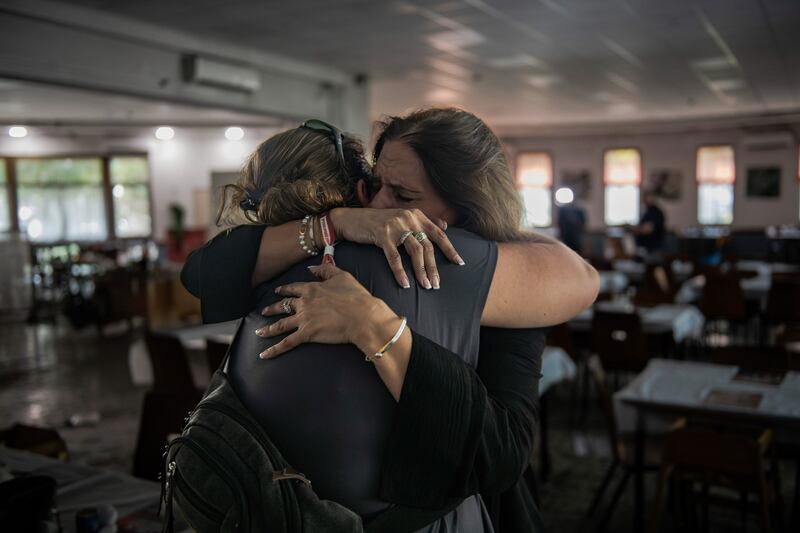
{"points": [[325, 407]]}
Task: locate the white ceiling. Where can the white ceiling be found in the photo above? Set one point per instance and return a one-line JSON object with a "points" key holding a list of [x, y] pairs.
{"points": [[525, 62]]}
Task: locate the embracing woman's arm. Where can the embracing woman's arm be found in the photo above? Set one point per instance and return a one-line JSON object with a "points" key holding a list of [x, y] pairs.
{"points": [[458, 431], [538, 282]]}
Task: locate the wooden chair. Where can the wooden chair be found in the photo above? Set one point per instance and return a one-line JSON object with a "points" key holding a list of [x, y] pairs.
{"points": [[723, 298], [783, 300], [162, 415], [711, 458], [215, 353], [622, 449], [171, 372], [619, 341]]}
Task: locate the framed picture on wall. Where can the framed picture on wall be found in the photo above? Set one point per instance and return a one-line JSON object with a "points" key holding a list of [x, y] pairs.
{"points": [[764, 182], [666, 183], [579, 181]]}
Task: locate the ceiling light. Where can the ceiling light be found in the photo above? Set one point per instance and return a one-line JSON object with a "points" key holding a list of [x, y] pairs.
{"points": [[234, 133], [18, 131], [564, 195], [165, 133]]}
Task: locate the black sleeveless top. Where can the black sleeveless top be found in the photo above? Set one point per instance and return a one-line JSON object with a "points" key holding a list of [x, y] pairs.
{"points": [[325, 407]]}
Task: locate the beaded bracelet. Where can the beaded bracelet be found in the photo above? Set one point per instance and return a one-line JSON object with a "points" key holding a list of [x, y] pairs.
{"points": [[310, 249]]}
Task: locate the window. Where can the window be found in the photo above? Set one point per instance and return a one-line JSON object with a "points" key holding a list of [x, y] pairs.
{"points": [[5, 218], [61, 199], [131, 196], [535, 182], [622, 174], [716, 174]]}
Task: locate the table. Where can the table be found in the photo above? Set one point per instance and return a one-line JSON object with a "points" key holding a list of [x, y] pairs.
{"points": [[679, 388], [80, 486], [683, 321], [612, 282], [635, 270], [193, 339]]}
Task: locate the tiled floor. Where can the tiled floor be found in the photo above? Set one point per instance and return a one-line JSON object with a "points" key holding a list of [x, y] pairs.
{"points": [[49, 373]]}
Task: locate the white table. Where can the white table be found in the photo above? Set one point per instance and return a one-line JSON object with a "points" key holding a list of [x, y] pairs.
{"points": [[669, 388], [612, 282], [80, 486], [193, 339], [682, 320]]}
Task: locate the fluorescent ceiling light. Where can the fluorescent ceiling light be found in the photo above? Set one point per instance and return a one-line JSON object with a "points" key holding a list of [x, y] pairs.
{"points": [[165, 133], [17, 131], [234, 133]]}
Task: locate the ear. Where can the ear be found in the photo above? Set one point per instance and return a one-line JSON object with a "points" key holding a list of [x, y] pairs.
{"points": [[362, 194]]}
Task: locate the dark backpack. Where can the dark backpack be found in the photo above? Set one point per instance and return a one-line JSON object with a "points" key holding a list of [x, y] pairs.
{"points": [[225, 474]]}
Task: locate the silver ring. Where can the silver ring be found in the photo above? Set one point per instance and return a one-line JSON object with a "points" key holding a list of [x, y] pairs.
{"points": [[404, 236], [286, 305], [420, 236]]}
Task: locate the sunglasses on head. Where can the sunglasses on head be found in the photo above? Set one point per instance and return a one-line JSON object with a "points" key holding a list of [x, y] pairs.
{"points": [[336, 133]]}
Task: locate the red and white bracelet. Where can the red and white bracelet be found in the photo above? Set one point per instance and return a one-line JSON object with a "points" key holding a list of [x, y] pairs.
{"points": [[328, 237]]}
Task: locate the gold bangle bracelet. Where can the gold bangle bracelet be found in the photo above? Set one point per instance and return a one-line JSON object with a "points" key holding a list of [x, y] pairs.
{"points": [[386, 347]]}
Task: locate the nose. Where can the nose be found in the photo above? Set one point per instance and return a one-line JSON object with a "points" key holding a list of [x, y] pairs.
{"points": [[382, 199]]}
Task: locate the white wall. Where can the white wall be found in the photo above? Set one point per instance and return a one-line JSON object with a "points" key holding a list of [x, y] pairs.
{"points": [[674, 150], [178, 167]]}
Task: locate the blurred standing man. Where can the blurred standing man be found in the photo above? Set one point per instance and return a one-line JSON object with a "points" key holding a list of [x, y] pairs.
{"points": [[651, 230], [571, 223]]}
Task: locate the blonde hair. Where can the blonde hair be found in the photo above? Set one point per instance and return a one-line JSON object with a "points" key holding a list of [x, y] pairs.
{"points": [[292, 174]]}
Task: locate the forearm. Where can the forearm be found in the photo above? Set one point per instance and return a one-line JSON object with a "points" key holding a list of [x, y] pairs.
{"points": [[280, 248], [379, 325]]}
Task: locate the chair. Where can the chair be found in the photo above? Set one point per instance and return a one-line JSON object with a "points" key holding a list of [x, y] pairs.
{"points": [[170, 364], [622, 450], [783, 300], [215, 353], [723, 304], [619, 341], [711, 458], [162, 415], [723, 298]]}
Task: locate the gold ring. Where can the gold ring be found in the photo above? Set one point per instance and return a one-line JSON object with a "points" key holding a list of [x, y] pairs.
{"points": [[286, 305]]}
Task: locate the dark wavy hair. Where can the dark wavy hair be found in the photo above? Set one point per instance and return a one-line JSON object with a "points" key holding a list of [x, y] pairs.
{"points": [[293, 174], [466, 164]]}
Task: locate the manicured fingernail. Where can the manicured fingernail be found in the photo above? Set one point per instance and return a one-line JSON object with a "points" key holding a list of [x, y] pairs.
{"points": [[278, 290], [404, 283], [460, 261], [426, 284], [260, 332], [266, 354], [435, 280], [264, 311], [445, 225]]}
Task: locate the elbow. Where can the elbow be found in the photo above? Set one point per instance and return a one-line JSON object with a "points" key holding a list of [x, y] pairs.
{"points": [[592, 284]]}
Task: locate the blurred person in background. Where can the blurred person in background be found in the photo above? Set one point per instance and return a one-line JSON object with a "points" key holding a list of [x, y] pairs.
{"points": [[650, 233], [571, 220]]}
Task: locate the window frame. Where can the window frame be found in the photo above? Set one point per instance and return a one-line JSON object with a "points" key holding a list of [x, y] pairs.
{"points": [[603, 179], [551, 188], [698, 183], [105, 184]]}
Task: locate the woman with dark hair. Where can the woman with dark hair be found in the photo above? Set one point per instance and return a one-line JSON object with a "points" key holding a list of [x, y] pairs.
{"points": [[478, 434]]}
